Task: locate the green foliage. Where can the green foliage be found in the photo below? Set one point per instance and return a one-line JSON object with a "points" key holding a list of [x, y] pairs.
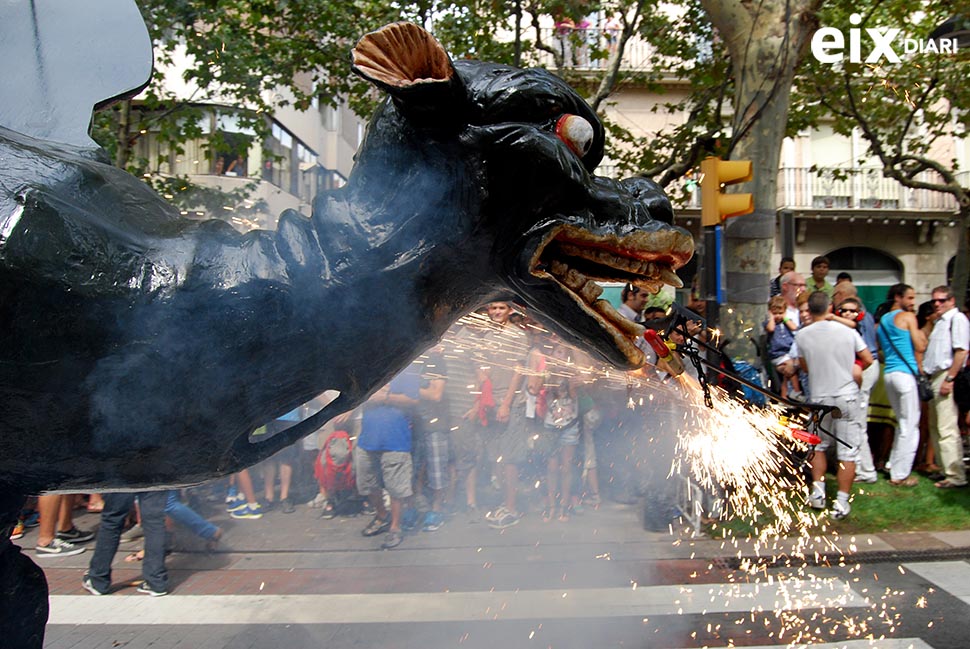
{"points": [[252, 57], [903, 109]]}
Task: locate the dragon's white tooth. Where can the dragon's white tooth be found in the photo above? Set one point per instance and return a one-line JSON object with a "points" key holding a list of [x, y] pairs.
{"points": [[670, 277]]}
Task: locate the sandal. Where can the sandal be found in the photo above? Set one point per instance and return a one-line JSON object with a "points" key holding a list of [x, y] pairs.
{"points": [[136, 556], [328, 510], [946, 484], [548, 515], [908, 481]]}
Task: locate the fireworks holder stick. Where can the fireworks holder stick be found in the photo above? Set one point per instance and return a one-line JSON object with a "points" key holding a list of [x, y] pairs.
{"points": [[811, 414]]}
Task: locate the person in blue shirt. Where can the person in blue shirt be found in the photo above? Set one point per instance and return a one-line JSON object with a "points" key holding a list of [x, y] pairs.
{"points": [[384, 458], [902, 344]]}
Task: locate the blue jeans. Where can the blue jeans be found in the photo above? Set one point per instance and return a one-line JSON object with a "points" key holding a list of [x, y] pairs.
{"points": [[116, 508], [185, 515]]}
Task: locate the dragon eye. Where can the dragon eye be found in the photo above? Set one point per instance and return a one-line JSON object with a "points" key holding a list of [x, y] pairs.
{"points": [[576, 132]]}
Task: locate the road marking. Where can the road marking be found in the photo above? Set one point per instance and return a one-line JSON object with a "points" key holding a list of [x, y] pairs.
{"points": [[885, 643], [951, 576], [453, 606]]}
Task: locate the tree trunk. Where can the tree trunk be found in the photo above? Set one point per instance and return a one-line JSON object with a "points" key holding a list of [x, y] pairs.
{"points": [[123, 152], [961, 266], [766, 41]]}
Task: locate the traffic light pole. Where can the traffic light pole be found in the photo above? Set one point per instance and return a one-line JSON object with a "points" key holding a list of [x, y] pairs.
{"points": [[711, 285]]}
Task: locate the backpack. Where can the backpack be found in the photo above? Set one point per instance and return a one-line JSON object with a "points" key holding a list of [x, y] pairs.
{"points": [[748, 371], [334, 469]]}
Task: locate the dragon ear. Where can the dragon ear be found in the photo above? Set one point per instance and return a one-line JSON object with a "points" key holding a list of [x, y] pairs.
{"points": [[409, 64]]}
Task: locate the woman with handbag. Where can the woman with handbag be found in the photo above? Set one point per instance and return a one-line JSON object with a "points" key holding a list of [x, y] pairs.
{"points": [[902, 344]]}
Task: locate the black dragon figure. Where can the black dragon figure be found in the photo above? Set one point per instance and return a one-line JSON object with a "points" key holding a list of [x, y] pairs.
{"points": [[140, 349]]}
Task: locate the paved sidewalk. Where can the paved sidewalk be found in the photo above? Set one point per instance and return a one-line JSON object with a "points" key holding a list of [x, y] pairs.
{"points": [[258, 555]]}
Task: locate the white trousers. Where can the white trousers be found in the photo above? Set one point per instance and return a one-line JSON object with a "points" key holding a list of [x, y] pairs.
{"points": [[904, 399]]}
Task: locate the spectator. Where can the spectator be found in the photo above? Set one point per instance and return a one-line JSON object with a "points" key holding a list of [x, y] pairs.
{"points": [[56, 513], [787, 265], [634, 299], [502, 406], [611, 30], [242, 504], [842, 277], [902, 344], [561, 424], [852, 311], [461, 388], [284, 460], [817, 282], [946, 354], [792, 285], [384, 460], [97, 580], [780, 329], [432, 428], [827, 351]]}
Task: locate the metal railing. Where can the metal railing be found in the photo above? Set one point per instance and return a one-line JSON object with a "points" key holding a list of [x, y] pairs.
{"points": [[843, 188], [590, 48]]}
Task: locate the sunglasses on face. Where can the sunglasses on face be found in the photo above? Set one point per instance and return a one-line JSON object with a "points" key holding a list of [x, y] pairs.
{"points": [[940, 300]]}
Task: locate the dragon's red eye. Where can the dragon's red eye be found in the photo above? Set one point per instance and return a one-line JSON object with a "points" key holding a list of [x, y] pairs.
{"points": [[576, 132]]}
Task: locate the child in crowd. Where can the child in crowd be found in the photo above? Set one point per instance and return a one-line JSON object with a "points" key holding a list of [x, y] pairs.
{"points": [[780, 329]]}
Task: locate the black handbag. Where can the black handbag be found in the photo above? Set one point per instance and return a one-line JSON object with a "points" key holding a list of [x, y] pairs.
{"points": [[924, 387], [961, 389]]}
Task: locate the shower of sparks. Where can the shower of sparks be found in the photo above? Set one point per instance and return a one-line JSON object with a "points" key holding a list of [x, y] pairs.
{"points": [[737, 462]]}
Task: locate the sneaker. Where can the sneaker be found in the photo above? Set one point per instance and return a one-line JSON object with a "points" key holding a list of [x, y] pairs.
{"points": [[145, 589], [496, 514], [286, 506], [329, 511], [32, 520], [74, 535], [507, 519], [319, 502], [816, 501], [249, 512], [410, 519], [839, 510], [58, 548], [89, 586], [18, 531], [235, 502], [377, 526], [133, 533], [392, 540], [433, 522]]}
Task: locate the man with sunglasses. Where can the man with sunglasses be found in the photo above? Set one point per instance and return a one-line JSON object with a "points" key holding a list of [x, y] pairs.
{"points": [[946, 354]]}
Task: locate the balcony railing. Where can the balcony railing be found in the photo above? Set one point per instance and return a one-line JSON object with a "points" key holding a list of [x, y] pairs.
{"points": [[589, 49], [844, 189]]}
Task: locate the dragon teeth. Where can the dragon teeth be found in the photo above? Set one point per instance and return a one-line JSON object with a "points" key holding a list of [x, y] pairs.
{"points": [[558, 268], [590, 291], [575, 279], [670, 277], [628, 327]]}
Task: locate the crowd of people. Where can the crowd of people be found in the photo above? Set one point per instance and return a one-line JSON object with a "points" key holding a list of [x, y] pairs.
{"points": [[891, 374], [503, 417]]}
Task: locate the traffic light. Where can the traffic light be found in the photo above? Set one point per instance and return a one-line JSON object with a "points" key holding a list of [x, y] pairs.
{"points": [[716, 205]]}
